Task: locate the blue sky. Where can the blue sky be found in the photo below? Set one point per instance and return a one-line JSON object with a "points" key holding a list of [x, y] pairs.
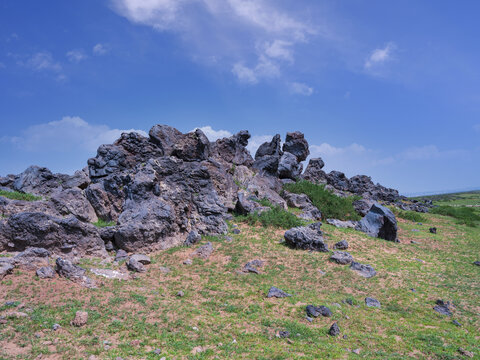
{"points": [[383, 88]]}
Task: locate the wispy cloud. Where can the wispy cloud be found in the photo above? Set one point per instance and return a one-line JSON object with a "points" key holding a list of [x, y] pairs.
{"points": [[68, 134], [380, 56], [301, 89], [256, 40], [214, 135], [42, 61], [75, 56], [100, 49]]}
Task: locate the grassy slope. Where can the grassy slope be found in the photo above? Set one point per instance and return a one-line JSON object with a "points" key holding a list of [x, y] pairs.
{"points": [[463, 198], [225, 306]]}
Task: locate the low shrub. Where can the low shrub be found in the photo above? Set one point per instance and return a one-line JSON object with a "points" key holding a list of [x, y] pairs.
{"points": [[410, 215], [465, 215], [15, 195], [331, 205], [276, 217], [102, 223]]}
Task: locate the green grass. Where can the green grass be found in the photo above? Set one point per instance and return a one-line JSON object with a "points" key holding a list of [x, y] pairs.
{"points": [[102, 223], [275, 217], [330, 205], [409, 215], [15, 195], [454, 199], [464, 215]]}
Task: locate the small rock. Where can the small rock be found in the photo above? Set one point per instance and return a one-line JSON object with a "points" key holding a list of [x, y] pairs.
{"points": [[192, 238], [415, 230], [356, 351], [476, 263], [141, 258], [187, 262], [456, 323], [16, 314], [252, 266], [135, 265], [341, 245], [371, 302], [413, 290], [342, 257], [276, 292], [367, 271], [164, 269], [349, 301], [38, 335], [419, 260], [228, 239], [283, 334], [56, 327], [204, 251], [345, 337], [121, 255], [443, 308], [337, 305], [414, 242], [466, 352], [309, 319], [334, 330], [314, 311], [180, 294], [157, 351], [197, 350], [92, 357], [46, 272], [81, 318], [321, 272], [433, 230], [236, 231]]}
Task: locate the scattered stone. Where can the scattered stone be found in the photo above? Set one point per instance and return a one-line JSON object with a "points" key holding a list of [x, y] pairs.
{"points": [[433, 230], [443, 307], [283, 334], [236, 231], [419, 260], [413, 290], [342, 224], [349, 301], [309, 319], [252, 266], [16, 314], [321, 272], [192, 238], [75, 273], [345, 337], [456, 323], [356, 351], [164, 269], [228, 239], [334, 330], [187, 262], [81, 318], [276, 292], [341, 245], [415, 230], [414, 242], [379, 222], [110, 274], [204, 251], [180, 293], [197, 350], [367, 271], [136, 266], [32, 258], [121, 255], [466, 352], [306, 238], [337, 305], [476, 263], [342, 257], [56, 327], [157, 351], [371, 302], [6, 267], [141, 258], [314, 311]]}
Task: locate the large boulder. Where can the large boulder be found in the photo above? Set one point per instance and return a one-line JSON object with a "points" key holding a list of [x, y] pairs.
{"points": [[232, 151], [270, 148], [289, 167], [306, 238], [32, 258], [36, 180], [66, 236], [193, 146], [296, 144], [165, 137], [379, 222], [314, 172], [338, 180], [73, 201]]}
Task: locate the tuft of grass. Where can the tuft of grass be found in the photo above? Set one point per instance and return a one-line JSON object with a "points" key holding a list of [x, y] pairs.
{"points": [[331, 205], [275, 217], [410, 215], [15, 195], [102, 223], [465, 215]]}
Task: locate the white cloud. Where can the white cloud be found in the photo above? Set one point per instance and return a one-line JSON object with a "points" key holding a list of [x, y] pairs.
{"points": [[380, 56], [255, 142], [75, 56], [214, 135], [68, 134], [253, 38], [42, 61], [100, 49], [301, 89]]}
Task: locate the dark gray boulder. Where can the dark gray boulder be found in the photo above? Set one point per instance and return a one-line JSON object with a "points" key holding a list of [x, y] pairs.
{"points": [[341, 245], [73, 201], [363, 206], [121, 255], [347, 224], [67, 269], [342, 257], [232, 151], [314, 172], [316, 311], [289, 167], [135, 265], [296, 144], [277, 293], [165, 137], [367, 271], [267, 164], [46, 272], [32, 258], [338, 180], [379, 222], [193, 146], [63, 236], [305, 238], [36, 180], [204, 251], [270, 148], [252, 266], [192, 238], [371, 302], [141, 258], [334, 330], [443, 307], [433, 230], [6, 267]]}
